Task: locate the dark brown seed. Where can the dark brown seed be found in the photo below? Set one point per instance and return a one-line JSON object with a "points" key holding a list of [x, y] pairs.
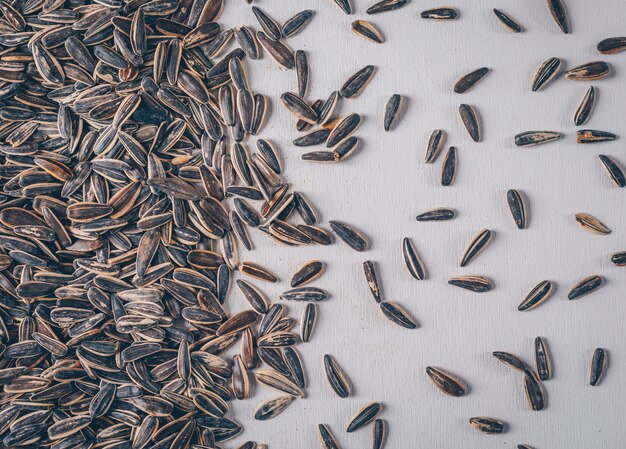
{"points": [[343, 130], [372, 280], [476, 246], [297, 106], [313, 138], [517, 206], [336, 377], [364, 416], [619, 259], [379, 433], [392, 111], [282, 54], [488, 425], [539, 293], [353, 238], [268, 24], [598, 366], [309, 272], [449, 167], [254, 296], [294, 25], [511, 360], [344, 5], [396, 314], [357, 82], [257, 271], [534, 391], [591, 224], [272, 408], [548, 70], [507, 21], [593, 136], [470, 120], [446, 382], [613, 170], [279, 382], [591, 71], [478, 284], [304, 294], [440, 214], [327, 439], [302, 72], [468, 81], [585, 107], [309, 319], [386, 5], [559, 14], [585, 286], [440, 14], [531, 138], [543, 363], [368, 31], [435, 144], [412, 260], [612, 45]]}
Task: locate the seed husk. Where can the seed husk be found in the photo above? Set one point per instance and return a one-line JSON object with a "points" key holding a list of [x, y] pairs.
{"points": [[297, 106], [476, 246], [297, 23], [449, 167], [612, 45], [257, 271], [309, 319], [584, 109], [302, 72], [590, 71], [534, 391], [345, 6], [517, 206], [591, 224], [508, 22], [548, 70], [470, 120], [559, 14], [272, 408], [543, 362], [435, 144], [511, 360], [357, 82], [327, 439], [597, 368], [396, 314], [478, 284], [279, 382], [593, 136], [488, 425], [392, 111], [282, 54], [536, 296], [468, 81], [349, 235], [613, 170], [304, 294], [585, 286], [532, 138], [379, 433], [369, 268], [343, 130], [254, 296], [439, 214], [317, 137], [446, 382], [367, 30], [269, 25], [619, 258], [364, 416], [412, 260], [440, 14], [336, 377], [386, 5], [309, 272]]}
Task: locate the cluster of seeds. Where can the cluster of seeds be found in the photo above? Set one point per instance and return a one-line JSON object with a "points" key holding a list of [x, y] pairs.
{"points": [[128, 186]]}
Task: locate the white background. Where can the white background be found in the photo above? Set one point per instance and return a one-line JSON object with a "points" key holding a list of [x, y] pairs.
{"points": [[383, 185]]}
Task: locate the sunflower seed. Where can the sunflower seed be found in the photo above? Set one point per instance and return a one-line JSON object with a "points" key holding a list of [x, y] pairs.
{"points": [[531, 138], [542, 359], [488, 425], [534, 391], [297, 106], [294, 25], [392, 110], [336, 377], [344, 5], [478, 284], [396, 314], [412, 260], [440, 14], [592, 224], [349, 235], [449, 167], [585, 286], [612, 45], [372, 280], [272, 408], [364, 416], [440, 214], [506, 20], [613, 170], [357, 82], [517, 206], [302, 72], [309, 319], [468, 81], [585, 107], [435, 144], [368, 31], [559, 14], [309, 272], [598, 366], [279, 382], [593, 136], [619, 259], [548, 70], [304, 294], [590, 71], [539, 293], [470, 120], [282, 54], [511, 360], [386, 5], [476, 246], [446, 382], [327, 439], [343, 130]]}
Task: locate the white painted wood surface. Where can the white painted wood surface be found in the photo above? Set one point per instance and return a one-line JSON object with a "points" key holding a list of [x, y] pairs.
{"points": [[385, 184]]}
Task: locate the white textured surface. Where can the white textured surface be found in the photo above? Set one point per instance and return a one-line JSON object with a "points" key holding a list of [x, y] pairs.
{"points": [[385, 184]]}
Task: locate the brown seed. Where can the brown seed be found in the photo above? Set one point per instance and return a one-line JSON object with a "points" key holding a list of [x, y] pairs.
{"points": [[446, 382], [470, 120], [591, 224], [368, 31]]}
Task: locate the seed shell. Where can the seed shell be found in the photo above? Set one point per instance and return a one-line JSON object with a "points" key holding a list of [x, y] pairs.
{"points": [[543, 363], [584, 109], [435, 144], [585, 286], [412, 260], [511, 360], [396, 314], [440, 214], [598, 366], [476, 246], [534, 391], [368, 31], [369, 268], [272, 408], [548, 70], [468, 81], [508, 22], [309, 319], [488, 425], [392, 110], [590, 71], [357, 82], [449, 167], [517, 206], [336, 377], [594, 136], [478, 284], [470, 120], [559, 14], [612, 45], [364, 416], [613, 170], [327, 439], [440, 14], [350, 236], [309, 272], [532, 138], [386, 5], [446, 382], [591, 224], [539, 293]]}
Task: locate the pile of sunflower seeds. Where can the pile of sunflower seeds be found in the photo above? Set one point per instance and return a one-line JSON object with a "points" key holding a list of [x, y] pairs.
{"points": [[128, 186]]}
